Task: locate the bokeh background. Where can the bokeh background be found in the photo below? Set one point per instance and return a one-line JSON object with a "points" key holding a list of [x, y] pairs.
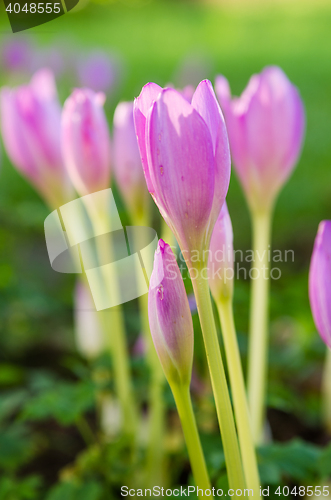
{"points": [[178, 42]]}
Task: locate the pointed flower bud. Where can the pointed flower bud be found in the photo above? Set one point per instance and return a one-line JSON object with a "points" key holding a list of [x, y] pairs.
{"points": [[86, 141], [185, 154], [320, 281], [127, 163], [170, 317], [266, 128], [220, 265], [17, 55], [31, 130]]}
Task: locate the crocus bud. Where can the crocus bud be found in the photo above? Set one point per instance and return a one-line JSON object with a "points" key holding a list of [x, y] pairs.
{"points": [[31, 130], [86, 141], [266, 128], [170, 317], [185, 154], [127, 163], [220, 265], [320, 281]]}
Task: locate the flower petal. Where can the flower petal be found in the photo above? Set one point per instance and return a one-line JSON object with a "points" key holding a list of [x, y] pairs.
{"points": [[205, 102], [320, 281], [182, 165], [272, 124], [220, 263], [142, 105], [223, 92], [127, 163]]}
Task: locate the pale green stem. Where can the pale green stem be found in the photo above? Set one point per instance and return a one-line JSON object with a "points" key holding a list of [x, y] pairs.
{"points": [[184, 406], [218, 380], [155, 449], [112, 321], [113, 326], [225, 311], [326, 391], [258, 327]]}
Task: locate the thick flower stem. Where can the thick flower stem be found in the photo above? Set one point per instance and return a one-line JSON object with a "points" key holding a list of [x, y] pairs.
{"points": [[113, 326], [184, 406], [247, 449], [218, 380], [326, 391], [258, 327], [155, 450]]}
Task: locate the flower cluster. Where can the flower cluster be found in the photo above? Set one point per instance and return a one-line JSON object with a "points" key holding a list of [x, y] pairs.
{"points": [[176, 145]]}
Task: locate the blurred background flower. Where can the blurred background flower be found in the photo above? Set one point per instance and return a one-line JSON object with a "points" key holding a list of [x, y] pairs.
{"points": [[96, 71]]}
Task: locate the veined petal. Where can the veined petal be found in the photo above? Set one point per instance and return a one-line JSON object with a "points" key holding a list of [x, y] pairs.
{"points": [[205, 102], [220, 263], [320, 282], [182, 165], [222, 171], [142, 105]]}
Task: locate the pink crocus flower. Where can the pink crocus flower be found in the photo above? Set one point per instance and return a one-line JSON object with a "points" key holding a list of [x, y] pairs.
{"points": [[185, 155], [220, 264], [320, 281], [266, 127], [17, 54], [86, 141], [170, 317], [127, 163], [31, 123]]}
